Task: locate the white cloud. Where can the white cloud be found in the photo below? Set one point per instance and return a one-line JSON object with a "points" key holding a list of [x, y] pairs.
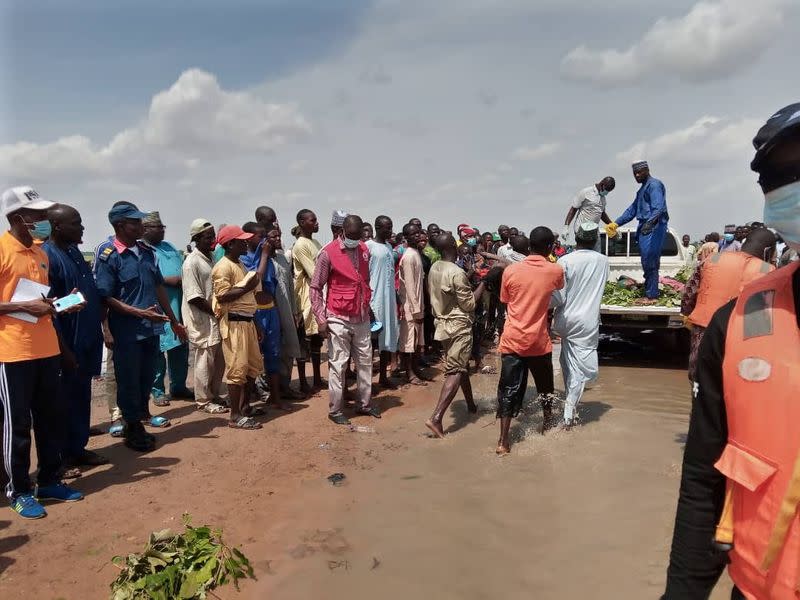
{"points": [[713, 40], [375, 76], [298, 166], [193, 120], [526, 153], [706, 142]]}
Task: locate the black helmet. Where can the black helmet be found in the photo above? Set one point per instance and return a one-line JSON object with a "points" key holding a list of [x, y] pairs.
{"points": [[780, 126]]}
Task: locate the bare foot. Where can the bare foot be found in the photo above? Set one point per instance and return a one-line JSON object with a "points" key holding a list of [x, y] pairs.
{"points": [[547, 418], [472, 407], [436, 428], [320, 384], [416, 381], [502, 450]]}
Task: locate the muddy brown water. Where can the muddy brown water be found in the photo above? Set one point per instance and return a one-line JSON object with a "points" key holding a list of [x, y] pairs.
{"points": [[582, 514]]}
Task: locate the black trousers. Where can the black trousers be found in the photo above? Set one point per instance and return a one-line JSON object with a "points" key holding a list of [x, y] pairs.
{"points": [[514, 381], [29, 397]]}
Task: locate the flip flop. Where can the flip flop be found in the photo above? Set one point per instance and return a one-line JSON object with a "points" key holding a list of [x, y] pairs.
{"points": [[161, 401], [116, 430], [213, 409], [244, 423], [159, 422]]}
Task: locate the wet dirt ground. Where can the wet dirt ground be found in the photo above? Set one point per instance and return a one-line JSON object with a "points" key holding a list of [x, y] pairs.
{"points": [[580, 514]]}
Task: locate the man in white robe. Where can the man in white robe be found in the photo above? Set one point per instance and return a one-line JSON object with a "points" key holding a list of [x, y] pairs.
{"points": [[384, 295], [577, 316]]}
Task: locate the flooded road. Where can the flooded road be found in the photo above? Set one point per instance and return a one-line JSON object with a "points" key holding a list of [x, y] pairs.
{"points": [[580, 514]]}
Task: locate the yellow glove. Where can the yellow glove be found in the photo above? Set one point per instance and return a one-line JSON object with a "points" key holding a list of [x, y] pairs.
{"points": [[611, 230]]}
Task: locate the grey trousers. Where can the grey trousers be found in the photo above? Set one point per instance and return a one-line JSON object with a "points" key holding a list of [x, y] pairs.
{"points": [[345, 340]]}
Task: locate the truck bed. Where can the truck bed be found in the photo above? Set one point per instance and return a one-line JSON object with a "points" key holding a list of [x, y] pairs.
{"points": [[612, 309], [621, 318]]}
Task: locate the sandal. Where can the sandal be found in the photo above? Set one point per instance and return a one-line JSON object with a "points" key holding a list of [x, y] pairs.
{"points": [[161, 401], [117, 429], [245, 423], [213, 409], [158, 422]]}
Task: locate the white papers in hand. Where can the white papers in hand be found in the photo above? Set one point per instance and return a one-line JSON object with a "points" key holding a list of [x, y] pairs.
{"points": [[26, 290]]}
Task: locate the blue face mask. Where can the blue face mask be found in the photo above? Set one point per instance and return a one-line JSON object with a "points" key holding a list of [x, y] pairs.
{"points": [[472, 242], [41, 230], [603, 193], [782, 212], [348, 243], [728, 237]]}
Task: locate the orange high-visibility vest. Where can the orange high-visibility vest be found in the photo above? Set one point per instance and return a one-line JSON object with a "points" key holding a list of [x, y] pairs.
{"points": [[724, 275], [761, 380]]}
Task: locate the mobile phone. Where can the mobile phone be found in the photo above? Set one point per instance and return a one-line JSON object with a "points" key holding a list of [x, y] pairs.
{"points": [[69, 301]]}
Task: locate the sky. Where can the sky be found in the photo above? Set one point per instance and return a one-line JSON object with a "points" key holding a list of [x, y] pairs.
{"points": [[477, 111]]}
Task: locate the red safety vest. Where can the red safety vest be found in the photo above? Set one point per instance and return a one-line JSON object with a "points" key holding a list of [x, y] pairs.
{"points": [[724, 276], [349, 293], [761, 375]]}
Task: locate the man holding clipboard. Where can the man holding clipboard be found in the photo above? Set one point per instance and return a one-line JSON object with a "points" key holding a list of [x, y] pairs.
{"points": [[29, 359]]}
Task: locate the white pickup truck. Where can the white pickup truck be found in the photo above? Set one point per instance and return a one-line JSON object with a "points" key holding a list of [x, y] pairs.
{"points": [[625, 259]]}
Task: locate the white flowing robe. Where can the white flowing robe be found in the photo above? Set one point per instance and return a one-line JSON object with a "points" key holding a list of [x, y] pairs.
{"points": [[577, 321], [384, 296]]}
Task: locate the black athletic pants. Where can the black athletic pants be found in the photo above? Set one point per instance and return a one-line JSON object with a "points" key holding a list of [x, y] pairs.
{"points": [[514, 381], [29, 397]]}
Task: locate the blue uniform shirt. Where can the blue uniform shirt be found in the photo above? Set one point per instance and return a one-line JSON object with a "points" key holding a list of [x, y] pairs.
{"points": [[133, 280], [650, 203], [81, 331]]}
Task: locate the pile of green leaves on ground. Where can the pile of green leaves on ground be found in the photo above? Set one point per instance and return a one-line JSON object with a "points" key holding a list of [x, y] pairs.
{"points": [[179, 566], [617, 295]]}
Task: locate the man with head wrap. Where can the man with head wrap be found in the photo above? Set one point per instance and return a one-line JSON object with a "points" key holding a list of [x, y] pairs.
{"points": [[741, 477], [577, 315], [650, 208]]}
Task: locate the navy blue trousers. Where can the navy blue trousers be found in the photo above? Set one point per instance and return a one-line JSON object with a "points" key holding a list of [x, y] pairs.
{"points": [[135, 370], [650, 247]]}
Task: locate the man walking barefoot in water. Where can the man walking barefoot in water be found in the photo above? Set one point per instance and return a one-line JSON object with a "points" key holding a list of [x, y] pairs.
{"points": [[525, 346], [453, 304]]}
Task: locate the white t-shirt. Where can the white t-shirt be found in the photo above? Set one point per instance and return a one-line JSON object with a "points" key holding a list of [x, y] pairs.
{"points": [[591, 206]]}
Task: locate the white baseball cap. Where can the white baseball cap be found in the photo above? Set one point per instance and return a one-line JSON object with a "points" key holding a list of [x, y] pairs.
{"points": [[23, 197]]}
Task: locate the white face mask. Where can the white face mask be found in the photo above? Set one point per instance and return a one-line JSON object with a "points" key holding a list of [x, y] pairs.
{"points": [[352, 244], [782, 213]]}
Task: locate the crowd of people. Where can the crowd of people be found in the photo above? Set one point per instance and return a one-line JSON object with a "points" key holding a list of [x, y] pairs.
{"points": [[246, 313]]}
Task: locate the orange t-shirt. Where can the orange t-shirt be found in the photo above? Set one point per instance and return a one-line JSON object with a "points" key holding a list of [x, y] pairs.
{"points": [[21, 340], [526, 290]]}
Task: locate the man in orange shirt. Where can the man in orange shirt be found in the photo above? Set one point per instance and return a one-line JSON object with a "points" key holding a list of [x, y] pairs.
{"points": [[525, 345], [29, 359]]}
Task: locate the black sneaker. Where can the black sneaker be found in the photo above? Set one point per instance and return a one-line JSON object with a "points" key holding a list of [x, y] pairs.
{"points": [[371, 411], [339, 418]]}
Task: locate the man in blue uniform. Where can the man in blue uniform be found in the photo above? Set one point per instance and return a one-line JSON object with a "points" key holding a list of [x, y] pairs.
{"points": [[650, 208], [132, 287], [170, 264], [80, 332]]}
